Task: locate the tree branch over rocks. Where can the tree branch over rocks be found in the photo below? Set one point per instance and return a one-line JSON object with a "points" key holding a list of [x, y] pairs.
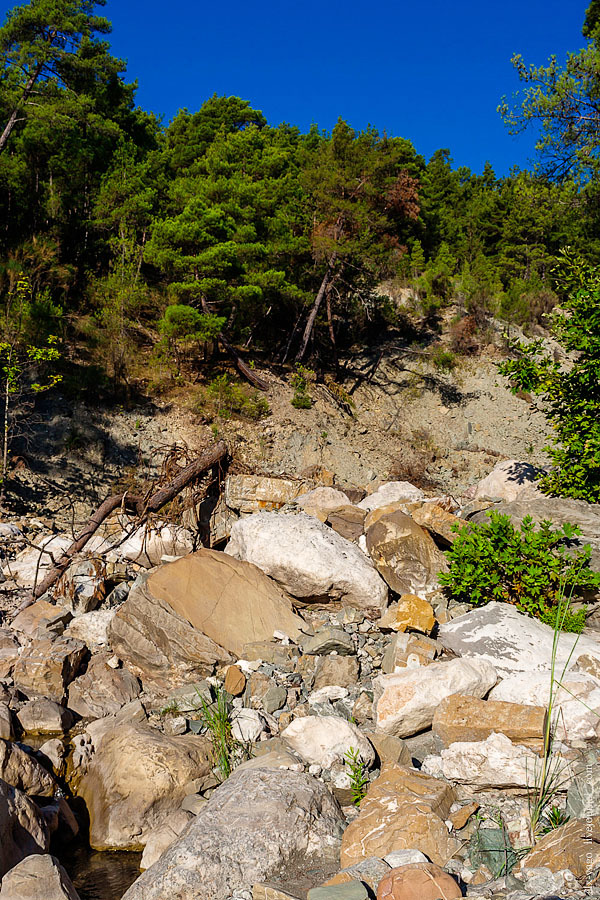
{"points": [[142, 507]]}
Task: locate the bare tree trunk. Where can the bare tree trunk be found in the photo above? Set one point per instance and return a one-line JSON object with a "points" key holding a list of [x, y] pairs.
{"points": [[139, 505], [331, 331], [310, 323], [241, 366], [15, 113]]}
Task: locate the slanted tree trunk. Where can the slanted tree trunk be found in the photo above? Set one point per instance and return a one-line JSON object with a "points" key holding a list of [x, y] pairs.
{"points": [[15, 113], [141, 506], [241, 366], [310, 322]]}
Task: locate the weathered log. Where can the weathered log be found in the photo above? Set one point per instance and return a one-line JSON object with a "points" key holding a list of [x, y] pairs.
{"points": [[141, 506], [241, 366]]}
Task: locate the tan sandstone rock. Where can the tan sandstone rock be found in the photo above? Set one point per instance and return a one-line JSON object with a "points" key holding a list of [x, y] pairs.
{"points": [[22, 771], [574, 846], [418, 881], [38, 877], [102, 690], [464, 718], [22, 828], [46, 668], [410, 613], [250, 493], [404, 554], [403, 809]]}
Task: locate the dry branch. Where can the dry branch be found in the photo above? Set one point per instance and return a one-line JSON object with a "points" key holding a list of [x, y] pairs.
{"points": [[141, 506]]}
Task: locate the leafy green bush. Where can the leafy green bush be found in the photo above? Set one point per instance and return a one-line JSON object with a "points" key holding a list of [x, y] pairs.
{"points": [[443, 359], [527, 567], [227, 398], [300, 382], [571, 392]]}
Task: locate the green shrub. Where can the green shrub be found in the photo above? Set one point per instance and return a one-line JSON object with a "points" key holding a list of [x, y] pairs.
{"points": [[226, 398], [527, 567], [300, 381], [570, 391], [443, 359]]}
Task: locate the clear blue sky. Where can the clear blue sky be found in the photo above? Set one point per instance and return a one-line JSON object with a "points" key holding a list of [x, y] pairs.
{"points": [[431, 72]]}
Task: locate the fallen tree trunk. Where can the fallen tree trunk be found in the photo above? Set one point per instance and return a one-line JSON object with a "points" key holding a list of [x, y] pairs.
{"points": [[141, 506], [241, 366]]}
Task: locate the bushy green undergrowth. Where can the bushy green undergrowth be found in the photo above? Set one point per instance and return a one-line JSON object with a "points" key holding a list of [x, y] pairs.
{"points": [[529, 567], [225, 397], [300, 381]]}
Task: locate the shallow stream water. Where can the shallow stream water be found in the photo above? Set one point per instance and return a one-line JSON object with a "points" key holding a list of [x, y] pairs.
{"points": [[100, 876]]}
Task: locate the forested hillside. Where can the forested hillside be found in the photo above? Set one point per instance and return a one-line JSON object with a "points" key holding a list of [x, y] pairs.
{"points": [[138, 243]]}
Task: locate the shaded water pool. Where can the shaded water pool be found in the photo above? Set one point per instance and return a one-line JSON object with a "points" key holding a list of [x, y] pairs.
{"points": [[100, 876]]}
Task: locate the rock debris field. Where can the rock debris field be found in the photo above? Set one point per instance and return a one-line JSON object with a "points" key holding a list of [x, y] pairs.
{"points": [[301, 713]]}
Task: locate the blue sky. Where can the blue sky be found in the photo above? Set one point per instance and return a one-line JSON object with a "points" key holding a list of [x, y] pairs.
{"points": [[431, 72]]}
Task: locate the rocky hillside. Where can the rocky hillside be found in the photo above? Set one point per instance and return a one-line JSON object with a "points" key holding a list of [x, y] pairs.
{"points": [[302, 714]]}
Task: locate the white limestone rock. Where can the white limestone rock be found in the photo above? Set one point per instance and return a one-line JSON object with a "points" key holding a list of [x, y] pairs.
{"points": [[405, 701], [309, 560], [325, 740]]}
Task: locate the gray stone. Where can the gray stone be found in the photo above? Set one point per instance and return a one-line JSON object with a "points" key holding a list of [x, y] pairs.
{"points": [[370, 870], [282, 819], [163, 836], [583, 795], [491, 847], [336, 670], [351, 890], [326, 640], [404, 858], [38, 877]]}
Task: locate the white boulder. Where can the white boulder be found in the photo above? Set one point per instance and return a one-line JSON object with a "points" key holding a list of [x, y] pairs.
{"points": [[507, 480], [512, 641], [575, 702], [325, 740], [391, 492], [309, 560], [495, 763], [405, 701]]}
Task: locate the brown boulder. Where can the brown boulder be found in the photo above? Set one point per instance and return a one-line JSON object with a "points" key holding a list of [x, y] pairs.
{"points": [[235, 681], [39, 616], [22, 828], [438, 521], [574, 846], [463, 718], [341, 671], [102, 690], [136, 777], [347, 521], [46, 668], [403, 809], [195, 612], [22, 771], [404, 554], [418, 881], [9, 652]]}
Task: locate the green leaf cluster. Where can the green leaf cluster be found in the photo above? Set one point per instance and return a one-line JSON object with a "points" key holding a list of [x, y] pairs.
{"points": [[569, 389], [529, 567]]}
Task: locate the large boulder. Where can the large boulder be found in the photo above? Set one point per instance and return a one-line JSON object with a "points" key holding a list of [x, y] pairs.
{"points": [[10, 648], [558, 511], [102, 690], [406, 700], [324, 740], [463, 718], [251, 493], [575, 701], [135, 778], [405, 554], [507, 480], [30, 566], [254, 828], [309, 560], [159, 644], [46, 667], [512, 641], [574, 846], [38, 877], [22, 828], [22, 771], [493, 764], [402, 810], [44, 717]]}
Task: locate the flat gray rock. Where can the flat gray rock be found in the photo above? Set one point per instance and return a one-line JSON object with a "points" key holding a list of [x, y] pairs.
{"points": [[512, 641]]}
